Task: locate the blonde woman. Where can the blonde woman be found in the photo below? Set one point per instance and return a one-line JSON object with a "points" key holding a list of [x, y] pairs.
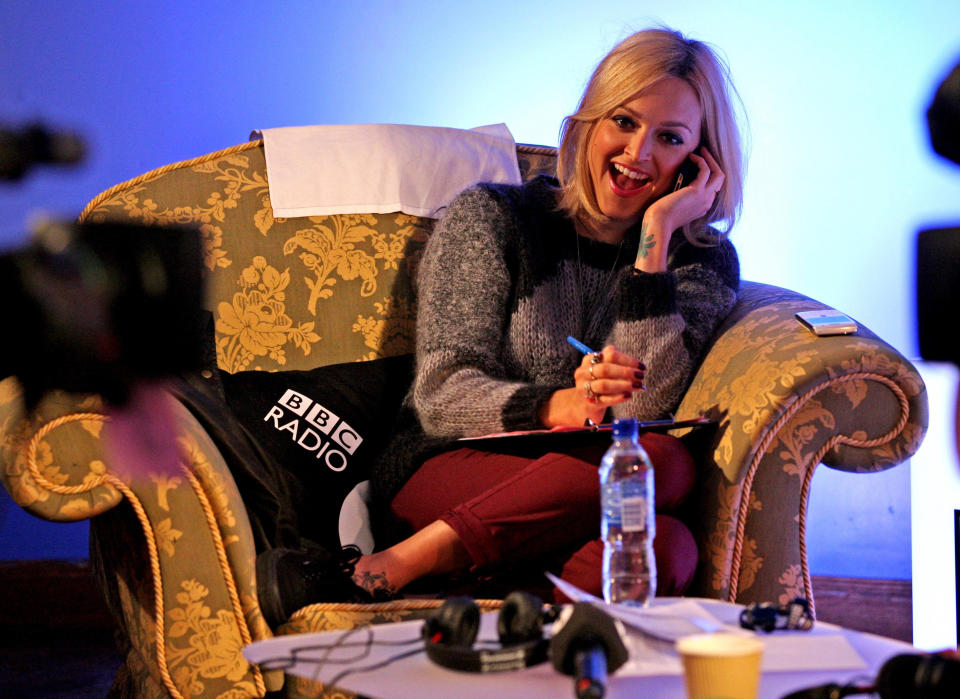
{"points": [[611, 253]]}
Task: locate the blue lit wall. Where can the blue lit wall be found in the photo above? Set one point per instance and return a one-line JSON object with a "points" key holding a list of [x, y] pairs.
{"points": [[840, 175]]}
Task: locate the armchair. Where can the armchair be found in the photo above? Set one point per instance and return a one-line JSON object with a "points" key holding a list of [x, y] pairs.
{"points": [[174, 553]]}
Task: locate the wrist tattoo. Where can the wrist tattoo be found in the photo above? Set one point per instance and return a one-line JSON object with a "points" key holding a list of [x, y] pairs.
{"points": [[646, 242]]}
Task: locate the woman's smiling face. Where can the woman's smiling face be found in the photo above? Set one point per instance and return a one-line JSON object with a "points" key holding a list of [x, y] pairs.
{"points": [[634, 152]]}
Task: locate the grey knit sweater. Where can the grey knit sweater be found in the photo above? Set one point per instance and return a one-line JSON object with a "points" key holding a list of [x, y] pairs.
{"points": [[503, 281]]}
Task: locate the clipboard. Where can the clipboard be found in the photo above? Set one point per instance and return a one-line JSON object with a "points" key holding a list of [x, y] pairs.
{"points": [[573, 436]]}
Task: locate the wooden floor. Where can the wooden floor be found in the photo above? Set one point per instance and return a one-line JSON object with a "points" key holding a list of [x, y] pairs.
{"points": [[883, 607], [68, 651]]}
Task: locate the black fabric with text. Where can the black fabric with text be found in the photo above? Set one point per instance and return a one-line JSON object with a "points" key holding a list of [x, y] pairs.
{"points": [[323, 427]]}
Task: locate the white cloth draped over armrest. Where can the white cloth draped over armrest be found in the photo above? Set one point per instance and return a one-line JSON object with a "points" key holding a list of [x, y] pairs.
{"points": [[381, 168]]}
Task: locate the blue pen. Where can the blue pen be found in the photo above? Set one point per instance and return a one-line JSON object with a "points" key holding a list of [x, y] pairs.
{"points": [[579, 345]]}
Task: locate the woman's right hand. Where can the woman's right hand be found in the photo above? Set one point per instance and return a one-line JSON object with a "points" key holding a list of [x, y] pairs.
{"points": [[676, 209], [603, 379]]}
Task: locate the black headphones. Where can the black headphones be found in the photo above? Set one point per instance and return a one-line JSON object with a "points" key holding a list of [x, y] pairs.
{"points": [[765, 616], [450, 632]]}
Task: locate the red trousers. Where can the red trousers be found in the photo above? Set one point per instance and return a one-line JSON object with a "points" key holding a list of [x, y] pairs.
{"points": [[519, 514]]}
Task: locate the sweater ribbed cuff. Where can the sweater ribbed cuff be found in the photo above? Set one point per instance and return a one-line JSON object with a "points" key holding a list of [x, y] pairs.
{"points": [[521, 412]]}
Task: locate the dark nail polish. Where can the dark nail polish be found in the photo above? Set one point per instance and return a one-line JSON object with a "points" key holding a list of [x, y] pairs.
{"points": [[638, 375]]}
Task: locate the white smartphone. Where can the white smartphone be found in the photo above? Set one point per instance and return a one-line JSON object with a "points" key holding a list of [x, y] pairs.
{"points": [[827, 322]]}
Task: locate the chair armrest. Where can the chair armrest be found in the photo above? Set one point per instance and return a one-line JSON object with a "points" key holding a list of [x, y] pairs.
{"points": [[174, 552], [785, 401], [32, 448]]}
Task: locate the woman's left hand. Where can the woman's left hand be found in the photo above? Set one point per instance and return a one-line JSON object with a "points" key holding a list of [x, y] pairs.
{"points": [[603, 379], [609, 377], [676, 209]]}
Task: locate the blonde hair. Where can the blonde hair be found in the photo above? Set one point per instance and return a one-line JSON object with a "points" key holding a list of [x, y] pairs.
{"points": [[633, 66]]}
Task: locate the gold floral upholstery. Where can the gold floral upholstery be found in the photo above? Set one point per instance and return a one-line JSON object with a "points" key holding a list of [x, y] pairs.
{"points": [[178, 550], [174, 551], [785, 401], [276, 286]]}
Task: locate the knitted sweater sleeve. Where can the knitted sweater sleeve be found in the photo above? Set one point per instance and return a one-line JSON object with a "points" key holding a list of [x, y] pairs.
{"points": [[666, 320], [462, 386]]}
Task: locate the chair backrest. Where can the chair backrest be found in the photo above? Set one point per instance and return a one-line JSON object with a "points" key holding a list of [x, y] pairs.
{"points": [[293, 293]]}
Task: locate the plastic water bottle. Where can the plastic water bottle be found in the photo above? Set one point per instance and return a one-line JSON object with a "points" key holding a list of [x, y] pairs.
{"points": [[627, 524]]}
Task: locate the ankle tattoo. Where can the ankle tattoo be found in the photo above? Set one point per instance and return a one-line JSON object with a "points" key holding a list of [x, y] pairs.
{"points": [[375, 583]]}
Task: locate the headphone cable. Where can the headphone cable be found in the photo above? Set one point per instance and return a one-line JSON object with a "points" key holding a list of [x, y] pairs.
{"points": [[370, 668], [295, 655]]}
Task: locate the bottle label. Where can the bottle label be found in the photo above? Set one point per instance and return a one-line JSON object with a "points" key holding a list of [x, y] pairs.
{"points": [[633, 514], [633, 506]]}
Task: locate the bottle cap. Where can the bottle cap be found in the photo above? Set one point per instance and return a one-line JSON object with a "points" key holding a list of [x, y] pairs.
{"points": [[624, 427]]}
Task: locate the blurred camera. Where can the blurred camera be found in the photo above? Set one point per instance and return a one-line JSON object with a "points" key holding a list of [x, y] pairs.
{"points": [[21, 149], [95, 307], [938, 249]]}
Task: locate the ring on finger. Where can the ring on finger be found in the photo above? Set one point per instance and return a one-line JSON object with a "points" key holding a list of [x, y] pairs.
{"points": [[588, 391], [596, 358], [593, 376]]}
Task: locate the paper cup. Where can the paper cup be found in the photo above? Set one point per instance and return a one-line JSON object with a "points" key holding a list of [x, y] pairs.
{"points": [[721, 665]]}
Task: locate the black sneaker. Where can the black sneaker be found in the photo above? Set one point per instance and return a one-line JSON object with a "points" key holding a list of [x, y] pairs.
{"points": [[290, 579]]}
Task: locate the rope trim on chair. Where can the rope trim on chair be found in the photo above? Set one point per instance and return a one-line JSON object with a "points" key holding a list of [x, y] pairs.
{"points": [[158, 615], [109, 479], [153, 174], [808, 479], [158, 172], [403, 605], [34, 444], [227, 573], [810, 466], [536, 150]]}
